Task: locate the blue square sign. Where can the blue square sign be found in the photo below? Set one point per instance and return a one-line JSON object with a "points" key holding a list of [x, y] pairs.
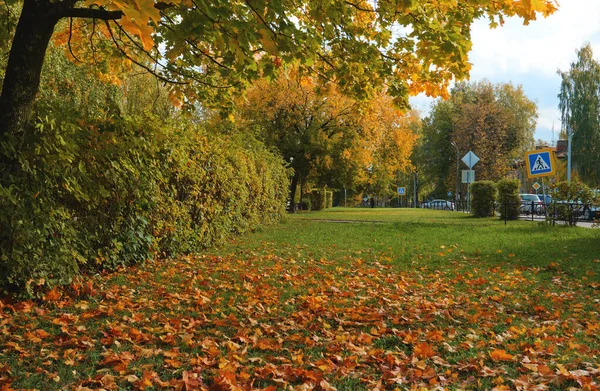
{"points": [[540, 163], [401, 191]]}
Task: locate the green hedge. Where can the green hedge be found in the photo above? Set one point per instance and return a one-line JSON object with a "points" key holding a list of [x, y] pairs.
{"points": [[120, 191], [329, 199], [318, 199], [508, 198], [483, 198]]}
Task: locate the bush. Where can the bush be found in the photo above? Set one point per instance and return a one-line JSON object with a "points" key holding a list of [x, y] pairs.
{"points": [[483, 195], [569, 201], [317, 199], [215, 185], [305, 204], [114, 193], [110, 176], [508, 198], [329, 199]]}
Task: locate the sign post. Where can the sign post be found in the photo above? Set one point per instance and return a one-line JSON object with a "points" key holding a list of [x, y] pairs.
{"points": [[470, 159], [401, 192]]}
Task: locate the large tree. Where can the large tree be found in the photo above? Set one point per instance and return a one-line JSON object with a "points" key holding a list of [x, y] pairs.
{"points": [[496, 122], [579, 102], [328, 138], [207, 46]]}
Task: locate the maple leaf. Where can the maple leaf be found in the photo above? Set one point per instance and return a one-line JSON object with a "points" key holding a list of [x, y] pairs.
{"points": [[501, 355], [423, 350]]}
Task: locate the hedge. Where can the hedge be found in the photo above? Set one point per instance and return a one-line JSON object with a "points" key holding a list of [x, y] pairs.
{"points": [[116, 192], [483, 194], [508, 198], [317, 199]]}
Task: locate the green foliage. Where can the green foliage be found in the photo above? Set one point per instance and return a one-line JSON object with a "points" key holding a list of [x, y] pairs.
{"points": [[77, 199], [115, 193], [317, 199], [87, 187], [508, 198], [495, 121], [579, 104], [569, 200], [328, 199], [483, 194], [214, 187]]}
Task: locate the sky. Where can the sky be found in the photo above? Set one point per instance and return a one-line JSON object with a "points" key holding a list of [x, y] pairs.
{"points": [[531, 55]]}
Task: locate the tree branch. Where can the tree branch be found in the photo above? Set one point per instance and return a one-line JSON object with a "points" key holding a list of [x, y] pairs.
{"points": [[92, 13]]}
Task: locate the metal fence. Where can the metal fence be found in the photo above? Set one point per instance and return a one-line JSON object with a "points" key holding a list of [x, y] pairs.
{"points": [[557, 211]]}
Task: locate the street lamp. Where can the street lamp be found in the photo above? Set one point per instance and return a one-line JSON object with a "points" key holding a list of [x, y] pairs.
{"points": [[457, 167]]}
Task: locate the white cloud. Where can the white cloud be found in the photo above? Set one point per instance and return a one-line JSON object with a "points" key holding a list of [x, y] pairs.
{"points": [[531, 55], [543, 46]]}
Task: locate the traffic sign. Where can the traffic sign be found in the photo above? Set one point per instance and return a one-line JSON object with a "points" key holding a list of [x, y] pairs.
{"points": [[468, 176], [470, 159], [402, 191], [536, 186], [540, 163]]}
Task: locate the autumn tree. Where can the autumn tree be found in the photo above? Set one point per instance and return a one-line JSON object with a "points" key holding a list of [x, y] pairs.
{"points": [[579, 102], [390, 136], [328, 138], [496, 122], [209, 46], [312, 128]]}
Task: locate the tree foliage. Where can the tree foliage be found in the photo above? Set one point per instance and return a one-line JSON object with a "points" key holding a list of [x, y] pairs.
{"points": [[111, 176], [328, 138], [209, 48], [579, 102], [496, 122]]}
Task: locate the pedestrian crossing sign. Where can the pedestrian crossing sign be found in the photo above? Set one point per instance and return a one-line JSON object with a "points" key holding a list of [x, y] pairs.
{"points": [[540, 163]]}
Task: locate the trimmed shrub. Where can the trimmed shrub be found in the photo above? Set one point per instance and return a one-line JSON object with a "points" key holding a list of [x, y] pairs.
{"points": [[305, 204], [317, 199], [329, 199], [508, 198], [483, 194]]}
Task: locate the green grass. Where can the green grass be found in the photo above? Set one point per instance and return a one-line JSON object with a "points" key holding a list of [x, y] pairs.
{"points": [[352, 298], [414, 238]]}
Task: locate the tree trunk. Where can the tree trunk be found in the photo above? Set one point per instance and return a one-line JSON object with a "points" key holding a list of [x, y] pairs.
{"points": [[22, 78], [293, 185]]}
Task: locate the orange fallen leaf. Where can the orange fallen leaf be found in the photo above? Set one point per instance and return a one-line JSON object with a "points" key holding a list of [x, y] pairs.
{"points": [[501, 355]]}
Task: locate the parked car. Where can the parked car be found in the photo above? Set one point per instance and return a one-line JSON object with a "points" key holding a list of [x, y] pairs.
{"points": [[425, 205], [531, 203], [441, 205], [592, 212], [546, 199]]}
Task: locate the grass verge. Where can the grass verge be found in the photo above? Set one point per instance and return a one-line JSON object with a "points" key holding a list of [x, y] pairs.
{"points": [[385, 299]]}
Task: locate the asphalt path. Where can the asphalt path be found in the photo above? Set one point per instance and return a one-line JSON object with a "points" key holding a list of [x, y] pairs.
{"points": [[584, 224]]}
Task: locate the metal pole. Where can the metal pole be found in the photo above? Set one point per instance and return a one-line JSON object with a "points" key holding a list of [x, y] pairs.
{"points": [[457, 168], [344, 197], [415, 190], [570, 132], [544, 192], [469, 188]]}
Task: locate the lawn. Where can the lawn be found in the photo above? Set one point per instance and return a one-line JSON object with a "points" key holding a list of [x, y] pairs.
{"points": [[345, 299]]}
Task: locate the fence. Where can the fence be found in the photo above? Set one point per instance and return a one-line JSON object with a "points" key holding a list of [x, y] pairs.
{"points": [[557, 211]]}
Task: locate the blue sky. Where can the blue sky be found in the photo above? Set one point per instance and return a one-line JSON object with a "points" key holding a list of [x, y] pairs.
{"points": [[531, 55]]}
